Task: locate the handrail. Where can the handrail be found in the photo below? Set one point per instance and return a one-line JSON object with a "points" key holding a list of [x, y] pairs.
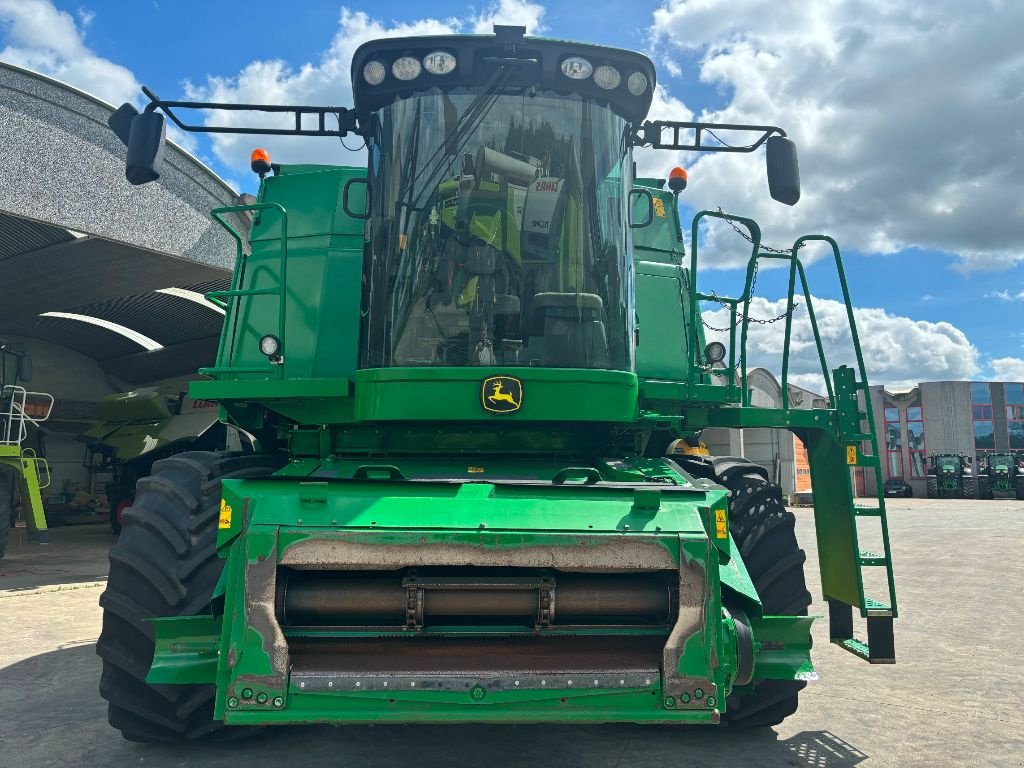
{"points": [[17, 415], [738, 353], [732, 303], [237, 292], [29, 455]]}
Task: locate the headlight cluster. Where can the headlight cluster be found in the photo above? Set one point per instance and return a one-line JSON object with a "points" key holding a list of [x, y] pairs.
{"points": [[604, 76], [408, 68]]}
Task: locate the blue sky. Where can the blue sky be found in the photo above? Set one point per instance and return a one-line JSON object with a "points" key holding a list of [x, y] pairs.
{"points": [[908, 125]]}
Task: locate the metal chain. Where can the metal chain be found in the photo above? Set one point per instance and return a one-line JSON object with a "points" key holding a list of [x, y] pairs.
{"points": [[739, 315], [749, 239]]}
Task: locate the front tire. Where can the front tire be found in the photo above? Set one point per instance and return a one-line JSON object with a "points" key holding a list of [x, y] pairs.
{"points": [[764, 532], [165, 563]]}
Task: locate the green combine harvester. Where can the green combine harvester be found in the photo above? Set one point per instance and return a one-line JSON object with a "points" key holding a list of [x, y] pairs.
{"points": [[464, 363], [24, 474]]}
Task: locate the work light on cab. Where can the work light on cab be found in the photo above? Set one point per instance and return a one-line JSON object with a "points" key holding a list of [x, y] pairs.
{"points": [[374, 72], [439, 63], [406, 68], [607, 77], [636, 84], [577, 68], [270, 346]]}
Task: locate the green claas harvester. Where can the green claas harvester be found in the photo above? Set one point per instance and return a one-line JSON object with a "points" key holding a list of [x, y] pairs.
{"points": [[24, 473], [463, 363]]}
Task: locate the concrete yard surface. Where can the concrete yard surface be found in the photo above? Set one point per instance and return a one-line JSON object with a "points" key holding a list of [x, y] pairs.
{"points": [[954, 698]]}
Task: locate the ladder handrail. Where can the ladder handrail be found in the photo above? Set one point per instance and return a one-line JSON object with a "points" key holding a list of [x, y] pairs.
{"points": [[231, 299], [16, 414]]}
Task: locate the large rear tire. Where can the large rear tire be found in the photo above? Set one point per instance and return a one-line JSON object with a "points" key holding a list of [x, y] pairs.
{"points": [[764, 532], [970, 488], [931, 485], [165, 564]]}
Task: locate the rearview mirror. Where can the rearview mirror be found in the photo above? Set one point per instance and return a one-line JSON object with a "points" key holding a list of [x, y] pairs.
{"points": [[121, 122], [783, 170], [25, 367], [145, 148]]}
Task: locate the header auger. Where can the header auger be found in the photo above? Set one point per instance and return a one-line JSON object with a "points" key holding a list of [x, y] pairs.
{"points": [[464, 363]]}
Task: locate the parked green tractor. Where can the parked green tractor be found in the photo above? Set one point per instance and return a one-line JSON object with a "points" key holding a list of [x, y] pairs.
{"points": [[950, 477], [135, 429], [464, 363], [23, 472], [1002, 477]]}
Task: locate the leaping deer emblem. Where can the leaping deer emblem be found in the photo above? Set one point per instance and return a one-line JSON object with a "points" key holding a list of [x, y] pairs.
{"points": [[499, 396]]}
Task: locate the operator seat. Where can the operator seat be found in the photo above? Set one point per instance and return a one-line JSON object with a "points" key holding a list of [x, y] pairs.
{"points": [[566, 330]]}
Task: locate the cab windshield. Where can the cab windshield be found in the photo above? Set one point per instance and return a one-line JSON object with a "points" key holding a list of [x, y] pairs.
{"points": [[498, 233]]}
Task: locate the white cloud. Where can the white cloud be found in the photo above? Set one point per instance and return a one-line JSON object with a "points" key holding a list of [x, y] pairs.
{"points": [[41, 38], [1006, 295], [906, 119], [327, 81], [1008, 369], [897, 350]]}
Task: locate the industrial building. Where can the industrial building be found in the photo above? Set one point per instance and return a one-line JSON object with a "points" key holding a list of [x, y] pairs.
{"points": [[973, 418]]}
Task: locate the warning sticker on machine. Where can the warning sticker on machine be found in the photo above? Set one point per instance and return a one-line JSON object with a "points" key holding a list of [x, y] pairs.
{"points": [[225, 515], [851, 454], [721, 524]]}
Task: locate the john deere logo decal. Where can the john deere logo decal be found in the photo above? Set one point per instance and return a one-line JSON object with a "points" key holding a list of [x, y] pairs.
{"points": [[501, 394]]}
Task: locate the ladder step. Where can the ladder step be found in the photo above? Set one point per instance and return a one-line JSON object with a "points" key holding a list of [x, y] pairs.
{"points": [[872, 558], [877, 607], [856, 647], [867, 511]]}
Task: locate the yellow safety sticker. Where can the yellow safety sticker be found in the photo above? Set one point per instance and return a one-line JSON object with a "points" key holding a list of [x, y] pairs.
{"points": [[659, 208], [225, 515], [851, 454], [721, 524]]}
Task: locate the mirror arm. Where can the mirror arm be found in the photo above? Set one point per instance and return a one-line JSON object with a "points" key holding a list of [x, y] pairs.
{"points": [[650, 133], [348, 120]]}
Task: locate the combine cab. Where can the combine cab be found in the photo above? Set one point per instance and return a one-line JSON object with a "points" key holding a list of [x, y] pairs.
{"points": [[464, 364], [950, 477]]}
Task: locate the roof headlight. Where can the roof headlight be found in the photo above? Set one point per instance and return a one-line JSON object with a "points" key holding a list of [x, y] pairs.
{"points": [[637, 83], [607, 77], [577, 68], [439, 63], [374, 72], [406, 68]]}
